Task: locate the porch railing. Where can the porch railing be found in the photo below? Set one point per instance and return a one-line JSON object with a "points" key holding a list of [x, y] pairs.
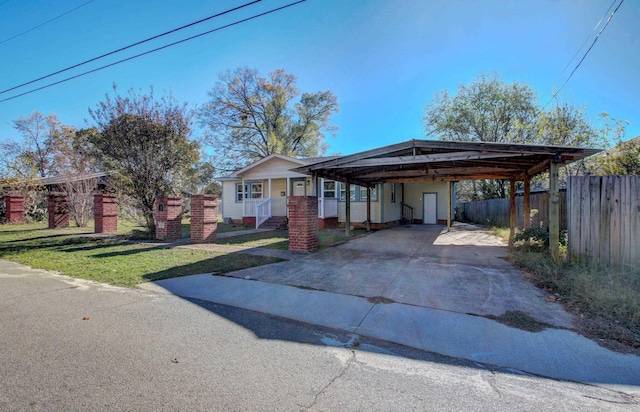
{"points": [[249, 206], [263, 212], [327, 207], [407, 213]]}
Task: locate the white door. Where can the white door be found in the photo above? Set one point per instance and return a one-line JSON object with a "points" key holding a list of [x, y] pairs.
{"points": [[298, 188], [429, 202]]}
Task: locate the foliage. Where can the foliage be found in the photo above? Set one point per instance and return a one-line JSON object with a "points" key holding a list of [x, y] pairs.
{"points": [[145, 142], [250, 117], [606, 297], [36, 151], [624, 159], [539, 235]]}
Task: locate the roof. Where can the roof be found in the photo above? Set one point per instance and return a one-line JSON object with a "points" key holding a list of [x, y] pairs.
{"points": [[238, 173], [437, 160], [56, 180]]}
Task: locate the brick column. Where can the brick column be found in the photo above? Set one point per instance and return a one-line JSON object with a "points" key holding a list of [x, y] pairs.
{"points": [[204, 218], [105, 213], [58, 207], [303, 223], [15, 208], [168, 217]]}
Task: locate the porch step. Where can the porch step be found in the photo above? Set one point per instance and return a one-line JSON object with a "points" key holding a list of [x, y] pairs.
{"points": [[275, 222]]}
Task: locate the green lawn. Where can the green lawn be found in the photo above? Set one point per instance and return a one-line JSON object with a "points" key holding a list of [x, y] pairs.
{"points": [[75, 252]]}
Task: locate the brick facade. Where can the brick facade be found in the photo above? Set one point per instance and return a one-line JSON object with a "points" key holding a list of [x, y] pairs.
{"points": [[168, 217], [58, 208], [14, 208], [105, 213], [327, 223], [204, 218], [303, 223]]}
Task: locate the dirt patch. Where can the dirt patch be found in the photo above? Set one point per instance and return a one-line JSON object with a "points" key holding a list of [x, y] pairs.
{"points": [[520, 320]]}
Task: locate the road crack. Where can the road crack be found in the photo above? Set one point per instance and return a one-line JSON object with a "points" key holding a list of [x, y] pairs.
{"points": [[344, 370]]}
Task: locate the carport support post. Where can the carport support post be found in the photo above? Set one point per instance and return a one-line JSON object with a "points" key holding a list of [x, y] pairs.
{"points": [[347, 206], [368, 209], [449, 206], [512, 210], [554, 212], [527, 202]]}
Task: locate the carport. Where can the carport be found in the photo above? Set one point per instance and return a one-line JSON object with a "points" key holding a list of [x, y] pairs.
{"points": [[449, 161]]}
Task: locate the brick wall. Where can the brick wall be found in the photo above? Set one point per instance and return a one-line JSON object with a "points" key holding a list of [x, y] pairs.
{"points": [[204, 218], [15, 208], [105, 213], [168, 217], [58, 208], [303, 223]]}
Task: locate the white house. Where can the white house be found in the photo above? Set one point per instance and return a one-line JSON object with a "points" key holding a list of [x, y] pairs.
{"points": [[257, 194]]}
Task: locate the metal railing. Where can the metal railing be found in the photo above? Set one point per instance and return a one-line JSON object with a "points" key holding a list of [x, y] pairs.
{"points": [[407, 213], [327, 207], [263, 212]]}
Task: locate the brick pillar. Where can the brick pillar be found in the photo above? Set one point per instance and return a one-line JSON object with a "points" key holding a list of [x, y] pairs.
{"points": [[15, 208], [168, 217], [303, 223], [105, 213], [58, 208], [204, 218]]}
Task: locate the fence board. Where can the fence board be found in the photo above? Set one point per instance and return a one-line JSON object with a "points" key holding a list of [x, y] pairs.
{"points": [[604, 219]]}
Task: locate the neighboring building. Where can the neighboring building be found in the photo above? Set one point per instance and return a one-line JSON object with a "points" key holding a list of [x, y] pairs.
{"points": [[257, 194]]}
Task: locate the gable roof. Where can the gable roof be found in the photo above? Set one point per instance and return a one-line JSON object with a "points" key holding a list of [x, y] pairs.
{"points": [[437, 160], [238, 173]]}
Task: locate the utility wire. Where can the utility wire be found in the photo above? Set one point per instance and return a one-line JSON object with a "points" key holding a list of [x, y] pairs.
{"points": [[584, 43], [155, 50], [554, 95], [130, 46], [46, 22]]}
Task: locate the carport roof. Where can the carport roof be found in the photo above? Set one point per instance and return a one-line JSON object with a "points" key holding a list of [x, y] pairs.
{"points": [[437, 160]]}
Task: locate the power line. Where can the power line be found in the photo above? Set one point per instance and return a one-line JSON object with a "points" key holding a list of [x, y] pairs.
{"points": [[130, 46], [155, 50], [46, 22], [554, 95]]}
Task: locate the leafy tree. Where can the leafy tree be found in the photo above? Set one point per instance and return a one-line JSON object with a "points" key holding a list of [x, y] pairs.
{"points": [[623, 159], [250, 117], [145, 141]]}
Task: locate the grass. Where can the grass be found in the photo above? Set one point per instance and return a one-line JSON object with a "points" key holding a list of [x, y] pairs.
{"points": [[608, 298], [279, 239], [115, 260]]}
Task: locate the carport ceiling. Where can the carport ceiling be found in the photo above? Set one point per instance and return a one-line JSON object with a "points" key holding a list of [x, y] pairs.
{"points": [[437, 160]]}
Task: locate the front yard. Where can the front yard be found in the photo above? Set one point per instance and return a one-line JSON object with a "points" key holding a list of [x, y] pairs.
{"points": [[115, 260]]}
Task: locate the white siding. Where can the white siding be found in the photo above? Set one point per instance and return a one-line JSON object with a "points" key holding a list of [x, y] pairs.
{"points": [[230, 209], [413, 197], [392, 211], [274, 168]]}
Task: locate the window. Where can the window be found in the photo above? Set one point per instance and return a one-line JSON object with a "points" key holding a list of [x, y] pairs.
{"points": [[358, 193], [256, 191], [329, 189], [248, 191], [393, 192]]}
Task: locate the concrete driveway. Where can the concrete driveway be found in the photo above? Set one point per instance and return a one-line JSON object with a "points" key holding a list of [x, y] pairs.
{"points": [[462, 271]]}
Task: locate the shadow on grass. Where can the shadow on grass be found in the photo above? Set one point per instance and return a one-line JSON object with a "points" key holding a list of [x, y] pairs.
{"points": [[225, 263]]}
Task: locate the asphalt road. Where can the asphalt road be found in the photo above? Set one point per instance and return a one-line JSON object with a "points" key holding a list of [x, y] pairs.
{"points": [[74, 345]]}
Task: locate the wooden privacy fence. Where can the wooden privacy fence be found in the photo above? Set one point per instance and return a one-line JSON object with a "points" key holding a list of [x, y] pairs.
{"points": [[496, 211], [604, 219]]}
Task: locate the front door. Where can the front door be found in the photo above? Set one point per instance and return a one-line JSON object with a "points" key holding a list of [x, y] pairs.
{"points": [[298, 188], [429, 211]]}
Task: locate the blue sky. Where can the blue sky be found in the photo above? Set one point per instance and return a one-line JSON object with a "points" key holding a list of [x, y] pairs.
{"points": [[384, 60]]}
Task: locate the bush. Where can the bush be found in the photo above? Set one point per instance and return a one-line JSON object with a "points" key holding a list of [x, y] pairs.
{"points": [[539, 235]]}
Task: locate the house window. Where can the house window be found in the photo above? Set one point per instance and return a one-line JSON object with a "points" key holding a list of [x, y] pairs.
{"points": [[358, 193], [329, 189], [248, 191], [393, 192], [256, 191]]}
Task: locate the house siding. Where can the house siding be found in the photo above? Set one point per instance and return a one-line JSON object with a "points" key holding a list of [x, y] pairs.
{"points": [[413, 197], [230, 209], [274, 168]]}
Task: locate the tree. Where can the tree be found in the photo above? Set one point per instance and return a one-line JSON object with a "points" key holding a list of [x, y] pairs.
{"points": [[623, 159], [250, 117], [145, 141], [39, 134]]}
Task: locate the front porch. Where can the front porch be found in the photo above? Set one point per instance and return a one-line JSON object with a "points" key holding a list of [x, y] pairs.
{"points": [[259, 211]]}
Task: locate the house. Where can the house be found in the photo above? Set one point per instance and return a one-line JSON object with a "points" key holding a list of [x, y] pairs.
{"points": [[257, 195]]}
